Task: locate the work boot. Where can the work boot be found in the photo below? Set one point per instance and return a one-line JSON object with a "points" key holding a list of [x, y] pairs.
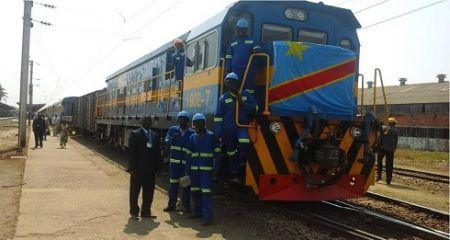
{"points": [[206, 222], [195, 215], [169, 209]]}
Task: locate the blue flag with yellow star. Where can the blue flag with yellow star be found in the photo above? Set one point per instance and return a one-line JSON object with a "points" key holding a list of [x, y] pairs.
{"points": [[306, 74]]}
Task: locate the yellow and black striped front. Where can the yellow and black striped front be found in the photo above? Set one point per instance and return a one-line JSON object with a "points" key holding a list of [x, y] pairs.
{"points": [[271, 150]]}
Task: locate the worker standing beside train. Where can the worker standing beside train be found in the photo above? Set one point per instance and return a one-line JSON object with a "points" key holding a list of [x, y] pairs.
{"points": [[204, 157], [178, 138], [388, 145], [238, 54], [179, 60], [236, 138]]}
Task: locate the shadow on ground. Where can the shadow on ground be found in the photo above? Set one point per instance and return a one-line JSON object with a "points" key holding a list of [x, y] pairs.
{"points": [[228, 220]]}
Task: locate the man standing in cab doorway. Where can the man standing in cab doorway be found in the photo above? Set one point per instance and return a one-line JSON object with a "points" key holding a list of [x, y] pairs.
{"points": [[179, 60], [387, 147], [204, 160], [145, 162], [236, 138], [238, 55], [177, 138]]}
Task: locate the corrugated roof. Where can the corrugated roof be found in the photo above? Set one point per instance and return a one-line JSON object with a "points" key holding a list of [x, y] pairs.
{"points": [[409, 94]]}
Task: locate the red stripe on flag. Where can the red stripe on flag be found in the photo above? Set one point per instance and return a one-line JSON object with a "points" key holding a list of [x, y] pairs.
{"points": [[315, 80]]}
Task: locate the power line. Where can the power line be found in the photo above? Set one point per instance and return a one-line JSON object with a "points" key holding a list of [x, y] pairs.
{"points": [[100, 60], [95, 59], [371, 6], [402, 15]]}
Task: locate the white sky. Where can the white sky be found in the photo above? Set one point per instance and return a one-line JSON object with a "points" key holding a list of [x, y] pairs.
{"points": [[92, 39]]}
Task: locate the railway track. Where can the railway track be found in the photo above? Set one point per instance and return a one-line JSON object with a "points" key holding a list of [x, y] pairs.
{"points": [[392, 223], [422, 175], [429, 211]]}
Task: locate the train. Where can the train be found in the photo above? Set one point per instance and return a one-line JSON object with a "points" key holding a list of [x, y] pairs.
{"points": [[307, 80], [60, 111]]}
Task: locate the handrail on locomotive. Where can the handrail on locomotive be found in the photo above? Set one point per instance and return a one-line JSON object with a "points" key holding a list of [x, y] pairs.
{"points": [[266, 87]]}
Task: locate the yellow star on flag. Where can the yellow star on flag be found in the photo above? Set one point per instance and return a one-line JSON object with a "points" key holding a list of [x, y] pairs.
{"points": [[296, 49]]}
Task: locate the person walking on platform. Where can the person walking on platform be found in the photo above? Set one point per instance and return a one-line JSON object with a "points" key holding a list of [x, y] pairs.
{"points": [[144, 162], [177, 138], [179, 60], [204, 158], [38, 130], [236, 138], [46, 127], [387, 147], [64, 137], [238, 55]]}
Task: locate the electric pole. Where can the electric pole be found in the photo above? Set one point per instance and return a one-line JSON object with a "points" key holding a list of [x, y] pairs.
{"points": [[28, 4], [30, 91]]}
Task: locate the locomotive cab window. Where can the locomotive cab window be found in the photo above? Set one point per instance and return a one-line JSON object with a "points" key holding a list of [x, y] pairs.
{"points": [[211, 50], [273, 32], [230, 27], [345, 43], [312, 36], [190, 53]]}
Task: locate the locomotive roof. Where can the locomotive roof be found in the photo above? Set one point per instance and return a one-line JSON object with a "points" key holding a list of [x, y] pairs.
{"points": [[145, 58], [345, 16]]}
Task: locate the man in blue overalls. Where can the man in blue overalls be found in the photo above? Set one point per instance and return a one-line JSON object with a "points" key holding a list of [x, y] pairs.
{"points": [[179, 60], [236, 138], [204, 152], [178, 138], [238, 54]]}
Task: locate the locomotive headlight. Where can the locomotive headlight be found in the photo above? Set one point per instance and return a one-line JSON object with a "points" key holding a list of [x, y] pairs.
{"points": [[289, 13], [295, 14], [356, 132], [301, 15]]}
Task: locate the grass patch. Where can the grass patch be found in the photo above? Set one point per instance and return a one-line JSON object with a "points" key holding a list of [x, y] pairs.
{"points": [[418, 155]]}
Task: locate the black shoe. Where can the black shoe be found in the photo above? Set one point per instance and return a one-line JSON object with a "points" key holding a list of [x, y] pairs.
{"points": [[195, 215], [206, 222], [148, 216], [169, 209], [134, 217], [378, 179], [186, 210]]}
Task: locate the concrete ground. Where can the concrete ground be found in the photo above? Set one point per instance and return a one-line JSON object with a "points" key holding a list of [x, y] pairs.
{"points": [[74, 194]]}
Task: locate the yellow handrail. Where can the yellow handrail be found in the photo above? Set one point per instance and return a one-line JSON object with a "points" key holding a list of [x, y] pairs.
{"points": [[386, 109], [362, 93], [266, 102]]}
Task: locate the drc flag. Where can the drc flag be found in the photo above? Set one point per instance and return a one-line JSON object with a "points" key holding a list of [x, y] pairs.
{"points": [[306, 74]]}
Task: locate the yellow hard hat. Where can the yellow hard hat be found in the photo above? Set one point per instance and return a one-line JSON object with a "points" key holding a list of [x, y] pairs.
{"points": [[392, 120]]}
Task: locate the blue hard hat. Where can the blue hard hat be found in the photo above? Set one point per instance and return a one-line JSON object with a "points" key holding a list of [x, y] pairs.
{"points": [[242, 23], [232, 76], [198, 116], [183, 113]]}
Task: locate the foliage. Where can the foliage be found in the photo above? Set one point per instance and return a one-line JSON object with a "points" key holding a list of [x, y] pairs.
{"points": [[3, 93]]}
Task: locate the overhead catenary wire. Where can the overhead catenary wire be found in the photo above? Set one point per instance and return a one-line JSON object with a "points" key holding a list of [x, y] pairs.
{"points": [[115, 47], [371, 6], [402, 15]]}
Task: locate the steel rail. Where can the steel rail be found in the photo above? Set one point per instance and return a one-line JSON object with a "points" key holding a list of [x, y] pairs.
{"points": [[421, 230], [424, 175], [431, 211]]}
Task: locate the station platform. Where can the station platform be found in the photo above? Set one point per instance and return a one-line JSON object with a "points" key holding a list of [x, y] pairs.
{"points": [[75, 194]]}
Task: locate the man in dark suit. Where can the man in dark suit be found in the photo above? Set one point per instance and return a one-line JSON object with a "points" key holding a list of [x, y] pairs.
{"points": [[145, 161], [38, 129]]}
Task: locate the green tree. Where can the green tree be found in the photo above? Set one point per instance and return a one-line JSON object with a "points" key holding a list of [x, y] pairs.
{"points": [[3, 93]]}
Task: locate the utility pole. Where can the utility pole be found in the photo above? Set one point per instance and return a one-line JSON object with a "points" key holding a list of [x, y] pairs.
{"points": [[30, 92], [28, 4]]}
